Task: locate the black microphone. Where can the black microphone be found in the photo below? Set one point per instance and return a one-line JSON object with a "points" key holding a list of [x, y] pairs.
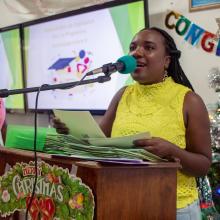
{"points": [[126, 64]]}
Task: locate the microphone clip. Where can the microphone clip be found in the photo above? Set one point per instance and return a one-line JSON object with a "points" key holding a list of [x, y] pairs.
{"points": [[110, 68]]}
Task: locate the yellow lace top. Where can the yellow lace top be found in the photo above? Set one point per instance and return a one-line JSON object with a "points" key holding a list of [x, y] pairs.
{"points": [[157, 108]]}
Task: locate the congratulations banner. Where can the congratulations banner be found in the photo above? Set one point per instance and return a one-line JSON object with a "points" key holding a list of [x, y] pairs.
{"points": [[192, 33]]}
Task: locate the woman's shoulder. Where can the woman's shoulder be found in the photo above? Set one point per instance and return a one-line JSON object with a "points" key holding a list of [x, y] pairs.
{"points": [[193, 98], [194, 103], [119, 94]]}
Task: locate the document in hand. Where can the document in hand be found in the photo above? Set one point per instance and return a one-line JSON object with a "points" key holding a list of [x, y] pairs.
{"points": [[83, 126]]}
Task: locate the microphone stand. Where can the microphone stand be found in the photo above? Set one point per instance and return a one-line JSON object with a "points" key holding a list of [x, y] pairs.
{"points": [[5, 93], [101, 79]]}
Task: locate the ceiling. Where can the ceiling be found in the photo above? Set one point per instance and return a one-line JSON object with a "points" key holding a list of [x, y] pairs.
{"points": [[19, 11]]}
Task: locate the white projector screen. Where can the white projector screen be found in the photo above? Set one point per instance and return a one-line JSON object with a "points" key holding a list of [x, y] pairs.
{"points": [[63, 50]]}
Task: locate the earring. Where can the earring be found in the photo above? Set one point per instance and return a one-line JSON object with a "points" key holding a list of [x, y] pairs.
{"points": [[165, 75]]}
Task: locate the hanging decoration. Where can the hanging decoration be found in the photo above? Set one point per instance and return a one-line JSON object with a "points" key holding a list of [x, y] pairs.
{"points": [[214, 78], [207, 205], [214, 116], [218, 31], [194, 34]]}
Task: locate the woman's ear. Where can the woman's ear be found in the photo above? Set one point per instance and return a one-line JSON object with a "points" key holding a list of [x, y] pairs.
{"points": [[167, 62]]}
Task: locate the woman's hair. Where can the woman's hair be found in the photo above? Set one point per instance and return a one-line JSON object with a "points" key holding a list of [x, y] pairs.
{"points": [[174, 70]]}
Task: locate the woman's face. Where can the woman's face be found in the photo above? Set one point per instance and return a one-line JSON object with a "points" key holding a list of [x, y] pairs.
{"points": [[148, 48]]}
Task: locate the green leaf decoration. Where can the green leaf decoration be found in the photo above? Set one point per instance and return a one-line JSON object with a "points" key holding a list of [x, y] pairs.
{"points": [[58, 195]]}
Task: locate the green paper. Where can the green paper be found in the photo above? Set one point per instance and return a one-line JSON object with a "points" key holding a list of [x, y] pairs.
{"points": [[22, 137], [67, 145], [81, 124], [125, 141]]}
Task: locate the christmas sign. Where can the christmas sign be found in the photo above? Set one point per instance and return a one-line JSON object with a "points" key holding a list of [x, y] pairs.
{"points": [[58, 195], [193, 33]]}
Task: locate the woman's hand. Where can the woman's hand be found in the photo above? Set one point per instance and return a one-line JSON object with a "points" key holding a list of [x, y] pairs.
{"points": [[157, 146], [61, 127]]}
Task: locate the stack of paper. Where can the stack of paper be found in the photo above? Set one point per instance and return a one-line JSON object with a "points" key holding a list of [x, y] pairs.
{"points": [[82, 126], [87, 141]]}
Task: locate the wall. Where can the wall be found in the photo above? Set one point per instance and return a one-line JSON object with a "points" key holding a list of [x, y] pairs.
{"points": [[195, 61], [24, 11], [18, 11], [43, 119], [28, 119]]}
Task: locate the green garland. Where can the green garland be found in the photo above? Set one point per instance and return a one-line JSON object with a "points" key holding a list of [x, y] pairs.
{"points": [[57, 195]]}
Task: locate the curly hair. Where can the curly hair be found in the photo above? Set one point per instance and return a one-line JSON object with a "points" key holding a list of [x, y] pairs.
{"points": [[174, 70]]}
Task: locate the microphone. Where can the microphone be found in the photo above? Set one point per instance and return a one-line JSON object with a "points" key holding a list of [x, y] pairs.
{"points": [[124, 65]]}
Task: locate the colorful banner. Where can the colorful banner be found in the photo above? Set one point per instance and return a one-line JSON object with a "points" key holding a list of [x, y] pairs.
{"points": [[58, 195], [192, 33]]}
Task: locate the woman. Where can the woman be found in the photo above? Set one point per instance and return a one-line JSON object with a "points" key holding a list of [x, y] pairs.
{"points": [[175, 116], [162, 101]]}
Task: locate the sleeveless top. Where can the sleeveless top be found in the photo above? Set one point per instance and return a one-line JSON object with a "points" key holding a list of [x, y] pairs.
{"points": [[157, 108]]}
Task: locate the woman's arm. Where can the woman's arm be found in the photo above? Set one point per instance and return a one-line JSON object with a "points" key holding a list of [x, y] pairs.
{"points": [[3, 131], [196, 158], [109, 117]]}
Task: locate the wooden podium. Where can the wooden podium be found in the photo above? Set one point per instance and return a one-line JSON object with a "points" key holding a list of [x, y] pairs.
{"points": [[125, 192], [132, 192]]}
